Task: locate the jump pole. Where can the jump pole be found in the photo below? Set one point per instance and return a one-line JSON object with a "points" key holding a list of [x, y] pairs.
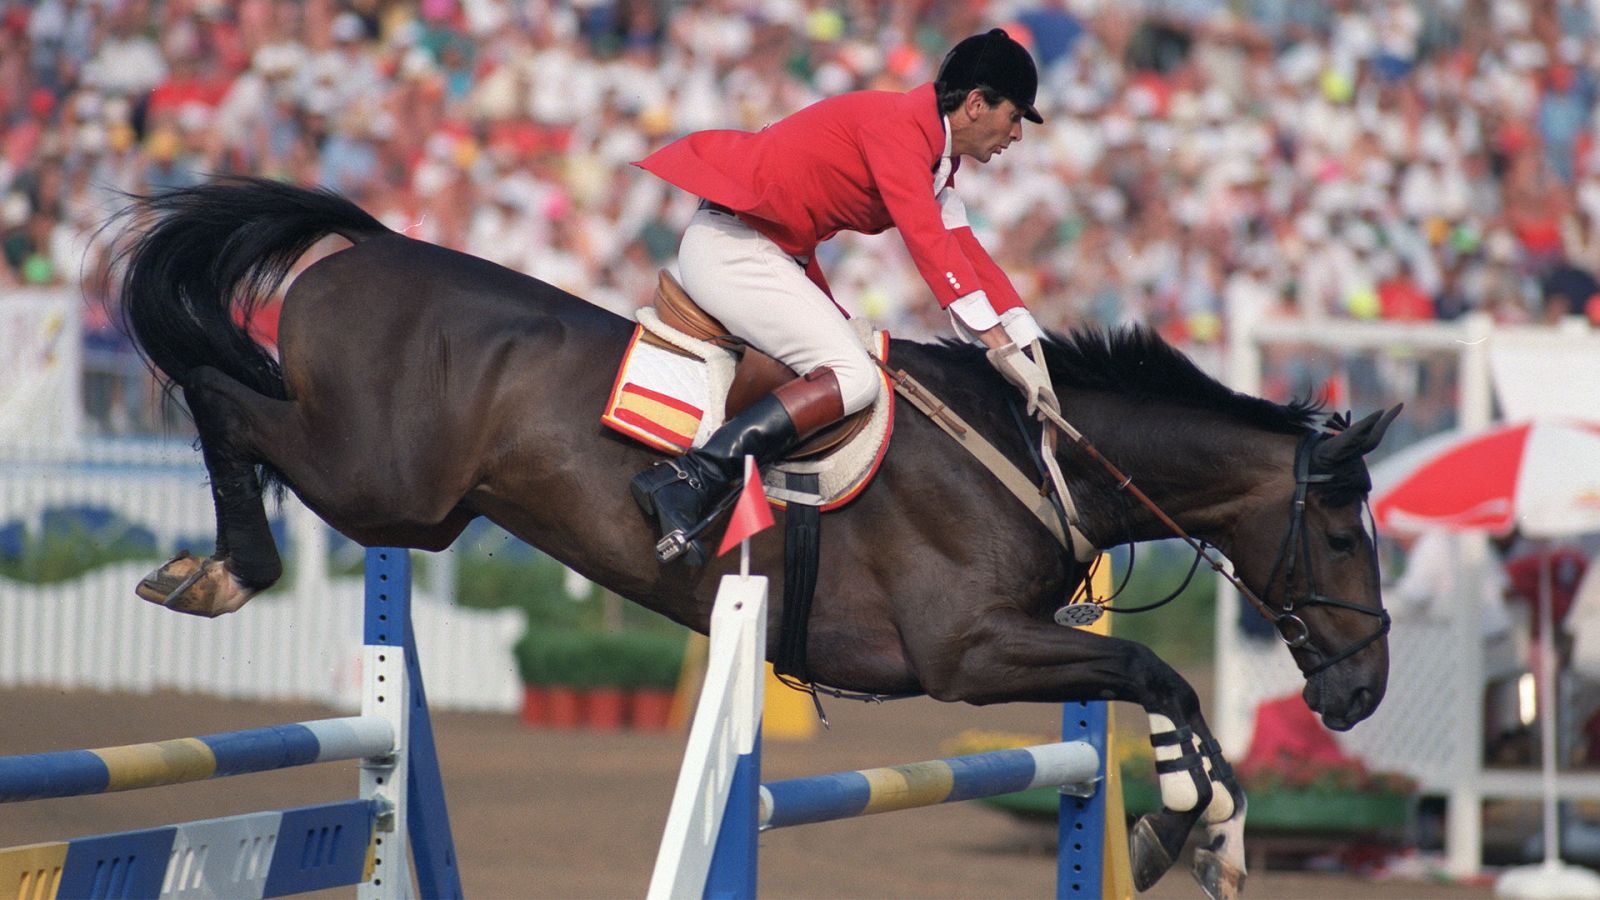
{"points": [[276, 852], [709, 846]]}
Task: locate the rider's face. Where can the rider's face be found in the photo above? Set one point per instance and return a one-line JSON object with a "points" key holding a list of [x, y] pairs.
{"points": [[992, 129]]}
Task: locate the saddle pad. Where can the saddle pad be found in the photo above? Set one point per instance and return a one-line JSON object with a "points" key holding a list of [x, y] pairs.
{"points": [[661, 392], [669, 394]]}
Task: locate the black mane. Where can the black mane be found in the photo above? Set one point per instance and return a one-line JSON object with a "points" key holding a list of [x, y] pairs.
{"points": [[1136, 362]]}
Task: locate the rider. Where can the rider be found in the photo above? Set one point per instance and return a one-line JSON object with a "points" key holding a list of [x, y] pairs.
{"points": [[864, 161]]}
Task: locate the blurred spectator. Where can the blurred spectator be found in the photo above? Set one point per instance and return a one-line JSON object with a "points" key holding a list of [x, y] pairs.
{"points": [[1567, 290], [1526, 573], [1400, 298], [1200, 160]]}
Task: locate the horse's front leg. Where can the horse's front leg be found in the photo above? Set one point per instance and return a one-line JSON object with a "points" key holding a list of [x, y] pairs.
{"points": [[1219, 865], [1006, 656]]}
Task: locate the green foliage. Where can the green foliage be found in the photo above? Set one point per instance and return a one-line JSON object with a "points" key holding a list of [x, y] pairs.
{"points": [[653, 660], [535, 585], [564, 657], [1183, 632], [62, 556], [583, 658]]}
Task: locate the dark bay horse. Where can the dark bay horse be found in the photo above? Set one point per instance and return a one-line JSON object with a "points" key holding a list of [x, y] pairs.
{"points": [[420, 388]]}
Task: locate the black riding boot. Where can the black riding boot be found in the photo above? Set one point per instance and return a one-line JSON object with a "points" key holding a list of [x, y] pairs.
{"points": [[680, 492]]}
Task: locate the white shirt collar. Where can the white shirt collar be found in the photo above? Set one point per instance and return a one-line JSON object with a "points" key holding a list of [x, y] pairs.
{"points": [[941, 171]]}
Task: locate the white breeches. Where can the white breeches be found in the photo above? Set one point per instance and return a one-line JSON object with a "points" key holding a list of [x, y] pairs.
{"points": [[763, 295]]}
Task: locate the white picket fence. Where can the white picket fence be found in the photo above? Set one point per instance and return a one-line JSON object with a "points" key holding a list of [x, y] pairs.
{"points": [[300, 643]]}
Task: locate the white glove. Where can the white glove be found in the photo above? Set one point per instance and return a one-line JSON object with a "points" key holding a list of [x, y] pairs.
{"points": [[1026, 376]]}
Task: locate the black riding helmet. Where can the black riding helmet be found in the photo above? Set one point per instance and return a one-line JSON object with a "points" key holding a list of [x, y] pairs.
{"points": [[993, 60]]}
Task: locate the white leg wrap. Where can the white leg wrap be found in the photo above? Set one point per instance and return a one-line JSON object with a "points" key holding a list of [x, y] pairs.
{"points": [[1177, 788], [1220, 808]]}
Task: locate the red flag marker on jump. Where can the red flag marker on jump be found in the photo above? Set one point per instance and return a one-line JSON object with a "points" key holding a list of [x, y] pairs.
{"points": [[750, 515]]}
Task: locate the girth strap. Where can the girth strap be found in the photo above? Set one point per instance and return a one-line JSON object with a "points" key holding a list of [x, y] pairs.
{"points": [[801, 549]]}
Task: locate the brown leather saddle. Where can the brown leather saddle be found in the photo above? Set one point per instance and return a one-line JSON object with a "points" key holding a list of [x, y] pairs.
{"points": [[755, 375]]}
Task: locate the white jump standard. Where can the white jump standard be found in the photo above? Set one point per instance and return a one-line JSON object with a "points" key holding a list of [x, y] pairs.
{"points": [[709, 845]]}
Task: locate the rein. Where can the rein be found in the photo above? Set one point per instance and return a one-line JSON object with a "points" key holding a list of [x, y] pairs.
{"points": [[1103, 603], [1291, 628]]}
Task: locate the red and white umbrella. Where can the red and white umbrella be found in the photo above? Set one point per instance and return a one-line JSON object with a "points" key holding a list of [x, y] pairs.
{"points": [[1542, 476]]}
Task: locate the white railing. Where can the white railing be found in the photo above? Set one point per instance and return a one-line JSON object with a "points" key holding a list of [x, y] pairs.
{"points": [[41, 367], [1430, 725], [295, 643]]}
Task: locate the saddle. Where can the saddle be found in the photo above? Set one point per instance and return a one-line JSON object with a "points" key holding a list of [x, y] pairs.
{"points": [[755, 374]]}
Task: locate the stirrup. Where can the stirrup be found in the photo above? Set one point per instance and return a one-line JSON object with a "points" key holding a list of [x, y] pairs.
{"points": [[677, 542], [673, 545]]}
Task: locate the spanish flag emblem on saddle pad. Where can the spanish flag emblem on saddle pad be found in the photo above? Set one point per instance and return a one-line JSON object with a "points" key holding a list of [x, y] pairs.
{"points": [[660, 395], [669, 394]]}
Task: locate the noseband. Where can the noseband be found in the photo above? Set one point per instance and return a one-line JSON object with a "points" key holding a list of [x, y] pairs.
{"points": [[1297, 542]]}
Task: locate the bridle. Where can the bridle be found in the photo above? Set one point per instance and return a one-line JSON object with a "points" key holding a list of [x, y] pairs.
{"points": [[1297, 542]]}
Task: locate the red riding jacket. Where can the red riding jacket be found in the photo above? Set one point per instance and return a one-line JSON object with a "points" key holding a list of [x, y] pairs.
{"points": [[864, 161]]}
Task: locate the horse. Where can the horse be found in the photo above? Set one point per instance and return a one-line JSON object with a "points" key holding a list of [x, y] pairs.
{"points": [[416, 388]]}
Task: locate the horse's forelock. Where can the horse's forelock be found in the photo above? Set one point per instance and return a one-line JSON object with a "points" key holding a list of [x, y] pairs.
{"points": [[1348, 483]]}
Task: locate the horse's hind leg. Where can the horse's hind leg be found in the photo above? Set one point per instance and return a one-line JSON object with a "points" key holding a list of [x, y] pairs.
{"points": [[246, 559]]}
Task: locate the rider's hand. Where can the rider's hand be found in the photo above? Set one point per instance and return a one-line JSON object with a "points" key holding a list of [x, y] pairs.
{"points": [[1026, 376]]}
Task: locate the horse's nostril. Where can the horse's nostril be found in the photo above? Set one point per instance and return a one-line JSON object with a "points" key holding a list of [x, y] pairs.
{"points": [[1362, 701]]}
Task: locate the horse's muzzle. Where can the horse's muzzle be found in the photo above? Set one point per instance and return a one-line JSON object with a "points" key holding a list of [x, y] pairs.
{"points": [[1340, 709]]}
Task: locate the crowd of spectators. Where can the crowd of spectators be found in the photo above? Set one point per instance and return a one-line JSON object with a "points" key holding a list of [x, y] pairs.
{"points": [[1199, 159]]}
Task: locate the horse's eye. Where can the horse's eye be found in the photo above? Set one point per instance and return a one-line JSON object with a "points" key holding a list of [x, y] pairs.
{"points": [[1341, 543]]}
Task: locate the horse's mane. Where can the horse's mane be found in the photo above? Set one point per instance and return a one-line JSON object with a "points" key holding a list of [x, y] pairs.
{"points": [[1135, 362]]}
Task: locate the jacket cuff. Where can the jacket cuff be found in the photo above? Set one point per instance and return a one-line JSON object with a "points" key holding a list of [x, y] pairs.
{"points": [[1021, 326], [974, 312]]}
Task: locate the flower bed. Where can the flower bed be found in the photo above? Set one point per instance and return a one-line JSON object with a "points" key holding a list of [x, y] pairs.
{"points": [[599, 680]]}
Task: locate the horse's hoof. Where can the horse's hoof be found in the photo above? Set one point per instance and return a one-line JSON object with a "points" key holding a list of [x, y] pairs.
{"points": [[1220, 879], [194, 586], [1148, 858]]}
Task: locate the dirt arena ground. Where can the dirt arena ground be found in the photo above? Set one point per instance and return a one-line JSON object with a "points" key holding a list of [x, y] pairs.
{"points": [[540, 813]]}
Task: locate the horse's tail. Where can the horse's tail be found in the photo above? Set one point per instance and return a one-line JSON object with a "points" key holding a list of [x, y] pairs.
{"points": [[200, 261]]}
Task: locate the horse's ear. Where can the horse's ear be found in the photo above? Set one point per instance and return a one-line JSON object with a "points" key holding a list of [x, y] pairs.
{"points": [[1356, 441]]}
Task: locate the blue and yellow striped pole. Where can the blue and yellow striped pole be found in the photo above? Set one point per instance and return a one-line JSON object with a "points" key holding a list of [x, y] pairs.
{"points": [[844, 795], [74, 773]]}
